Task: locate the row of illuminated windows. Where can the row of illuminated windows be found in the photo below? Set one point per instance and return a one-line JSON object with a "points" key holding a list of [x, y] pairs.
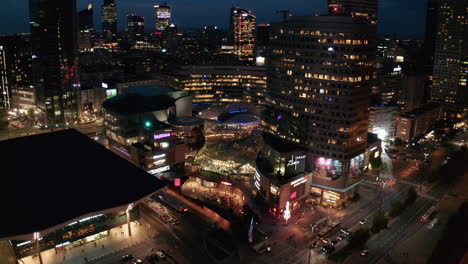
{"points": [[337, 78]]}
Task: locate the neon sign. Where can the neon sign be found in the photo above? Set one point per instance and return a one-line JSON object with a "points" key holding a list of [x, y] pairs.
{"points": [[163, 135], [294, 161]]}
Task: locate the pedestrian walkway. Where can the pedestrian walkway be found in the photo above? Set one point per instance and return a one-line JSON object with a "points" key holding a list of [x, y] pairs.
{"points": [[115, 240]]}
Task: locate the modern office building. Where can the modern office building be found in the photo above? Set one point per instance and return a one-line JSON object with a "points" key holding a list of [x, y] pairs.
{"points": [[109, 19], [319, 88], [242, 33], [389, 89], [54, 60], [143, 124], [382, 121], [5, 94], [162, 14], [23, 98], [262, 39], [18, 58], [135, 27], [220, 85], [364, 8], [212, 38], [416, 123], [431, 31], [56, 212], [85, 18], [449, 86]]}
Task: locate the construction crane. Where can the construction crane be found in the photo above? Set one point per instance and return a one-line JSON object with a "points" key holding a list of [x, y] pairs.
{"points": [[285, 13]]}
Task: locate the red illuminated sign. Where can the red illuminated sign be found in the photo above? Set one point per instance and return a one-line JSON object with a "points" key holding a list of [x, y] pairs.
{"points": [[293, 195], [177, 182]]}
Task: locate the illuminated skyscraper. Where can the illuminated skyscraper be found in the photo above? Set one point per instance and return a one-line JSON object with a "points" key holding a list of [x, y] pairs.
{"points": [[135, 27], [365, 8], [85, 25], [449, 85], [162, 14], [242, 32], [319, 89], [4, 87], [109, 18], [55, 65]]}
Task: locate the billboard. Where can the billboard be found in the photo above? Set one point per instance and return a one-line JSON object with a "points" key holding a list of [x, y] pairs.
{"points": [[111, 93], [163, 14], [356, 167], [328, 168]]}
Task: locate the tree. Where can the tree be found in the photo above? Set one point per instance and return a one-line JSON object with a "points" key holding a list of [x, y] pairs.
{"points": [[397, 208], [411, 196], [380, 222], [398, 142], [359, 238], [376, 163]]}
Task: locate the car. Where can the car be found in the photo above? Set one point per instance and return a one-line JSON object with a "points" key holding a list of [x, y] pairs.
{"points": [[363, 221], [326, 240], [314, 245], [127, 257], [138, 261], [364, 252], [341, 237], [268, 249], [344, 231], [160, 254], [333, 242]]}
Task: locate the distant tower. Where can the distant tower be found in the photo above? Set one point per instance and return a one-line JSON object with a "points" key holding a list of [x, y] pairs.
{"points": [[242, 32], [162, 13], [85, 18], [4, 88], [364, 8], [55, 64], [109, 18], [135, 27]]}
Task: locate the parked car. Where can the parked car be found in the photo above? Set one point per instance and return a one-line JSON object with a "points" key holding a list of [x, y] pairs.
{"points": [[364, 252], [127, 257], [314, 245], [363, 221]]}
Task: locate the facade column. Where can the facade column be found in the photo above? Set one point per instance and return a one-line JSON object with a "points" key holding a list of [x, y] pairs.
{"points": [[129, 208], [38, 251]]}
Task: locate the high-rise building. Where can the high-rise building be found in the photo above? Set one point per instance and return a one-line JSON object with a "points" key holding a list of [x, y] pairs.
{"points": [[4, 86], [449, 85], [162, 14], [109, 18], [319, 89], [212, 38], [85, 25], [365, 8], [221, 85], [85, 18], [431, 31], [242, 32], [54, 60], [18, 59], [262, 39], [135, 27]]}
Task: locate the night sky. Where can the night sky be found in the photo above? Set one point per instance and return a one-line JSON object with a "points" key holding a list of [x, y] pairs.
{"points": [[403, 17]]}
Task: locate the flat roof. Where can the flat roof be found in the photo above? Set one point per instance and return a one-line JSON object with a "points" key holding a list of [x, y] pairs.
{"points": [[133, 103], [52, 178]]}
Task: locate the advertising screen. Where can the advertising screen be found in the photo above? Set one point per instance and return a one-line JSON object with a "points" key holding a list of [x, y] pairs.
{"points": [[163, 14], [356, 167], [328, 168], [111, 93]]}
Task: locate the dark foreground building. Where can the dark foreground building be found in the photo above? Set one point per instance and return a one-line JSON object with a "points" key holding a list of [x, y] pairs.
{"points": [[87, 191]]}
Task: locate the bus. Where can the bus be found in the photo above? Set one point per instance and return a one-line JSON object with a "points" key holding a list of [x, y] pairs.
{"points": [[428, 214], [328, 231]]}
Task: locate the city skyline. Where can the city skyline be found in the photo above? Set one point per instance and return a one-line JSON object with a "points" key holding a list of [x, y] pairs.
{"points": [[405, 17]]}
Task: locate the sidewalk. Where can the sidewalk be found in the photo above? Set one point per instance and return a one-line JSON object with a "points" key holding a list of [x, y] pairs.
{"points": [[117, 240]]}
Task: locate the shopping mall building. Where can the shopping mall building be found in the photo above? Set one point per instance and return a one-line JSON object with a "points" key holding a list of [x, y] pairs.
{"points": [[67, 191]]}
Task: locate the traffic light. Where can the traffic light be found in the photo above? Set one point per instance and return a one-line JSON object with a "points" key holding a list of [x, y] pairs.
{"points": [[147, 124]]}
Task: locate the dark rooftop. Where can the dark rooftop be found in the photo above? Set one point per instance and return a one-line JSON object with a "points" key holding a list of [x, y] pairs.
{"points": [[419, 111], [52, 178], [133, 103], [281, 145]]}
